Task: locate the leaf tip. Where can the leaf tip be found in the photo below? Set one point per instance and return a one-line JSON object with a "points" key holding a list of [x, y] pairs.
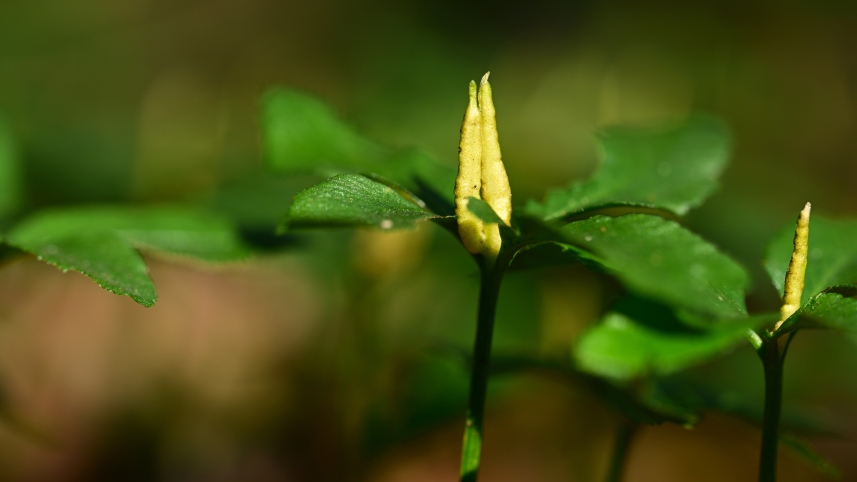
{"points": [[146, 302]]}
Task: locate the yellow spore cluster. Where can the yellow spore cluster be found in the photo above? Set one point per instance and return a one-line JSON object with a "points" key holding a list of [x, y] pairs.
{"points": [[481, 173], [793, 289]]}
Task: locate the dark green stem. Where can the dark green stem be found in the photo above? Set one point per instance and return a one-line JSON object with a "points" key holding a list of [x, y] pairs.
{"points": [[621, 445], [489, 290], [772, 353]]}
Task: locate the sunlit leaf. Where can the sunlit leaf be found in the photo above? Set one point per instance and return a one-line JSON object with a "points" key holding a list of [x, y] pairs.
{"points": [[660, 259], [102, 242], [302, 134], [351, 200], [622, 348], [109, 260], [672, 167]]}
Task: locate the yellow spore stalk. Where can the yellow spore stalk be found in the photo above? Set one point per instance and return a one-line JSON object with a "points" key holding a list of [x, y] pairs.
{"points": [[468, 183], [796, 274], [481, 174], [495, 183]]}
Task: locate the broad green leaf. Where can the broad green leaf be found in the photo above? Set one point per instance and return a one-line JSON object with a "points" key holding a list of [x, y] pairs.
{"points": [[10, 176], [622, 348], [109, 260], [834, 308], [660, 259], [832, 258], [102, 242], [180, 231], [302, 134], [351, 200], [672, 167]]}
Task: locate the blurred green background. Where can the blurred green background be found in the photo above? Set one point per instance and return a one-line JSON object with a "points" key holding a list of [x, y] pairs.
{"points": [[337, 356]]}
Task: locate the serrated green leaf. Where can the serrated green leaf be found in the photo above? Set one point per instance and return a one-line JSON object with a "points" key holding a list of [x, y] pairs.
{"points": [[622, 348], [174, 230], [10, 176], [303, 135], [834, 308], [105, 257], [352, 200], [832, 257], [671, 167], [660, 259], [102, 242]]}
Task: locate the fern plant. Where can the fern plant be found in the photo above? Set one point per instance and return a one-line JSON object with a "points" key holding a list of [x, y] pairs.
{"points": [[682, 301], [685, 301]]}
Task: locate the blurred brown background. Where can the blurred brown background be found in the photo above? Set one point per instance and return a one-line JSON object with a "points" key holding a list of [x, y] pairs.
{"points": [[320, 361]]}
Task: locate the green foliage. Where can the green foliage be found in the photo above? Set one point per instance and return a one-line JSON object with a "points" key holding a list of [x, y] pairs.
{"points": [[828, 299], [303, 135], [10, 178], [109, 260], [832, 258], [350, 200], [622, 348], [672, 167], [102, 243], [684, 303], [660, 259], [833, 308]]}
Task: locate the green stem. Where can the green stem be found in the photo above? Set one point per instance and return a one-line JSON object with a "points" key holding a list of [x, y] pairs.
{"points": [[489, 289], [621, 445], [772, 353]]}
